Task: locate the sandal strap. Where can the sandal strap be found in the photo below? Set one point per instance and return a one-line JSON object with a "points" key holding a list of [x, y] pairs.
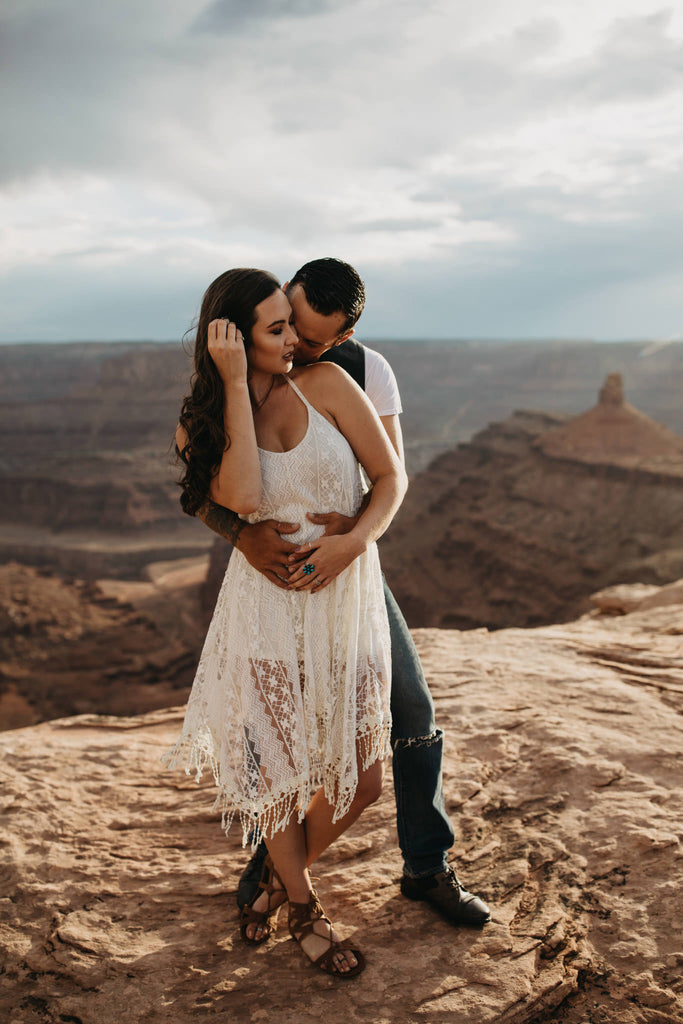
{"points": [[250, 916], [325, 961], [266, 884], [308, 928], [303, 917], [266, 918]]}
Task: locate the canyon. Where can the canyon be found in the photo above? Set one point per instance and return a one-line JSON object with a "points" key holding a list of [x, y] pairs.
{"points": [[522, 523], [106, 588], [87, 482]]}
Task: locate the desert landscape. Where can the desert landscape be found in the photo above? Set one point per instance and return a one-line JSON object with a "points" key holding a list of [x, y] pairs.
{"points": [[539, 560]]}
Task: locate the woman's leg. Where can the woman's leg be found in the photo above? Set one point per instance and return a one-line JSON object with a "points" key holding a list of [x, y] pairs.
{"points": [[287, 850], [298, 845], [321, 830], [288, 853]]}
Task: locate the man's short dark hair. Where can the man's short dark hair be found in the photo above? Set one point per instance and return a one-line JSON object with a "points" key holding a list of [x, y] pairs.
{"points": [[332, 286]]}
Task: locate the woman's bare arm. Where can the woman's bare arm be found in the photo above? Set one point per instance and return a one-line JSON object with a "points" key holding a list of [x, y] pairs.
{"points": [[237, 484]]}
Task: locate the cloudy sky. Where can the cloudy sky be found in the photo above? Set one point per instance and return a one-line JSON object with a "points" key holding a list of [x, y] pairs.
{"points": [[498, 169]]}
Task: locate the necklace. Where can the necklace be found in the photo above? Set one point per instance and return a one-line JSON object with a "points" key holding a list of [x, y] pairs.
{"points": [[259, 405]]}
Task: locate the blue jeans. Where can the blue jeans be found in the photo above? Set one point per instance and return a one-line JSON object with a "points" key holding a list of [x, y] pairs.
{"points": [[424, 832]]}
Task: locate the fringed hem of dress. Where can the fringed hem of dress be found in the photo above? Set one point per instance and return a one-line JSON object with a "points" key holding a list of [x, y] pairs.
{"points": [[263, 817]]}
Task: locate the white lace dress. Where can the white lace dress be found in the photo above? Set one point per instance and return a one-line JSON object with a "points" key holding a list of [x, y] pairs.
{"points": [[289, 685]]}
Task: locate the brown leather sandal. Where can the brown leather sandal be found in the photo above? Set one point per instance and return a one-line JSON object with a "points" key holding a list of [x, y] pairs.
{"points": [[303, 918], [267, 918]]}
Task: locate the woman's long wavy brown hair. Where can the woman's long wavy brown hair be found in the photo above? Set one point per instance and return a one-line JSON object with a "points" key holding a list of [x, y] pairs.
{"points": [[232, 296]]}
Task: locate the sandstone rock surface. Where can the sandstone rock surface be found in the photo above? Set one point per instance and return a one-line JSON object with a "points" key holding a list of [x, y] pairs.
{"points": [[563, 779]]}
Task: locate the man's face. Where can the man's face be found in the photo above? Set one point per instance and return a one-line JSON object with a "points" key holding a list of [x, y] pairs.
{"points": [[317, 333]]}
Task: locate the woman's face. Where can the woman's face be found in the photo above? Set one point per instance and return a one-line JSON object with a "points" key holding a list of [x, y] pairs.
{"points": [[273, 338]]}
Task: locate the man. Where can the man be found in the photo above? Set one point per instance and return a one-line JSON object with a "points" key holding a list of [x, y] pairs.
{"points": [[327, 297]]}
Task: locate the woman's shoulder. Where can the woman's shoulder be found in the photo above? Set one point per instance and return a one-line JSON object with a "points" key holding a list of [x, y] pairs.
{"points": [[321, 376], [315, 371], [328, 388]]}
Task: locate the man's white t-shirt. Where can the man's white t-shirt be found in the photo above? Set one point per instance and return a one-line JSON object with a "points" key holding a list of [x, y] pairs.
{"points": [[380, 384]]}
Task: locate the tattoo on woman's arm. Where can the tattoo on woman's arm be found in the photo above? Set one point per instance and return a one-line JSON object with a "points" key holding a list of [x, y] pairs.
{"points": [[221, 520]]}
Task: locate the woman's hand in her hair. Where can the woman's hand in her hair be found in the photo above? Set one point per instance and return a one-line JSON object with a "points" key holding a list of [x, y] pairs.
{"points": [[226, 348]]}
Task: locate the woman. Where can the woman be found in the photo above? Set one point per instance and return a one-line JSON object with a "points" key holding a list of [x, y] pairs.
{"points": [[290, 704]]}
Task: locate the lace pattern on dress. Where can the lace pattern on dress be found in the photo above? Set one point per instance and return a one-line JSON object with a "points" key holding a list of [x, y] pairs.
{"points": [[292, 688]]}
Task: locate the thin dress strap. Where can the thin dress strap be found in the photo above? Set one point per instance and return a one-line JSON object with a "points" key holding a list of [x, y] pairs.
{"points": [[303, 399]]}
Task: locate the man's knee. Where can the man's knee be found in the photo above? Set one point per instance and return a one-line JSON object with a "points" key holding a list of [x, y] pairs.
{"points": [[412, 715], [417, 742], [412, 707]]}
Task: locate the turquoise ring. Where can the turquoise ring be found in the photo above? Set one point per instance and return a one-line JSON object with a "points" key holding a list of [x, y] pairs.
{"points": [[308, 569]]}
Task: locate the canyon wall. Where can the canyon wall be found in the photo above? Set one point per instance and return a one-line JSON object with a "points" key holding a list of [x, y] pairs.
{"points": [[523, 523]]}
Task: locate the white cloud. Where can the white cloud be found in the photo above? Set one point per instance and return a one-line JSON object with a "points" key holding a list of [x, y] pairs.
{"points": [[182, 136]]}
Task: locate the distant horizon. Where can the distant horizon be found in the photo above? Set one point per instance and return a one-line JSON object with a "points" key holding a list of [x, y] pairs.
{"points": [[375, 340]]}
